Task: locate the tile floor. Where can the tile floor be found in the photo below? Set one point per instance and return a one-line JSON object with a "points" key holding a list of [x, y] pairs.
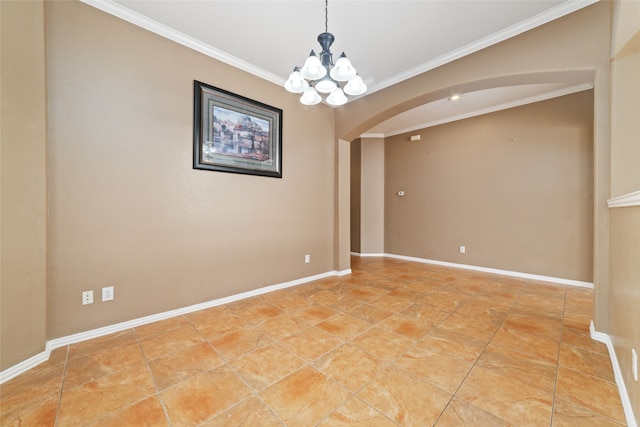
{"points": [[393, 344]]}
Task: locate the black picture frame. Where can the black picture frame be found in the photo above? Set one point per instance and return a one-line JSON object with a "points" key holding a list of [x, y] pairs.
{"points": [[235, 134]]}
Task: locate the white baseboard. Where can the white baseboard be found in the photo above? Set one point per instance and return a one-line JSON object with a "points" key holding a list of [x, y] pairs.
{"points": [[624, 396], [496, 271], [363, 255], [24, 366], [51, 345]]}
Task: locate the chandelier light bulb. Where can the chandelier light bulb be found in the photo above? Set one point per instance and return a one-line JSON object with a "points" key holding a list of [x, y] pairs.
{"points": [[310, 97], [337, 97], [296, 83], [312, 68], [355, 86], [326, 85], [343, 70]]}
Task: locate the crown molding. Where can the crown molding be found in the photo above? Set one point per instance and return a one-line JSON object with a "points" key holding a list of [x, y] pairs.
{"points": [[528, 24], [162, 30], [498, 107], [142, 21]]}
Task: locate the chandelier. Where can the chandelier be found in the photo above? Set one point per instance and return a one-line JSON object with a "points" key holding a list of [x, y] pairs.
{"points": [[322, 75]]}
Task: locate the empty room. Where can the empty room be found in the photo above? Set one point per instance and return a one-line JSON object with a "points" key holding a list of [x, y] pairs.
{"points": [[205, 224]]}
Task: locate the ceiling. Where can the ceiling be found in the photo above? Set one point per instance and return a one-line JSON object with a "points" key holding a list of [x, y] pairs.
{"points": [[387, 41]]}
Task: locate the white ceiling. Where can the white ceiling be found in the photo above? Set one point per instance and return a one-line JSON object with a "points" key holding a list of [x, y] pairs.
{"points": [[387, 41]]}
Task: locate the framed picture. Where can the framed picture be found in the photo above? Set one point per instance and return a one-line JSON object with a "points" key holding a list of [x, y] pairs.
{"points": [[235, 134]]}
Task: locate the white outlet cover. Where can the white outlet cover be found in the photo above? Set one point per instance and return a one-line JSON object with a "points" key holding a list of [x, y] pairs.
{"points": [[634, 363], [107, 293], [87, 297]]}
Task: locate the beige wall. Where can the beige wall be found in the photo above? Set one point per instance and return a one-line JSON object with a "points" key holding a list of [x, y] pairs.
{"points": [[514, 187], [372, 193], [625, 101], [342, 239], [126, 207], [356, 181], [23, 193], [625, 295], [367, 201], [624, 298]]}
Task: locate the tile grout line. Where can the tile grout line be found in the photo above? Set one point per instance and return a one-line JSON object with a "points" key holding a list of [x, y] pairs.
{"points": [[153, 378], [114, 411], [580, 372], [64, 375], [385, 365], [349, 341], [253, 393], [228, 365], [393, 361], [455, 393], [555, 382]]}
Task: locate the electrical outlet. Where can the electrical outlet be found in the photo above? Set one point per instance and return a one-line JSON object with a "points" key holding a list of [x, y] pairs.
{"points": [[107, 293], [307, 259], [463, 249], [87, 297], [634, 363]]}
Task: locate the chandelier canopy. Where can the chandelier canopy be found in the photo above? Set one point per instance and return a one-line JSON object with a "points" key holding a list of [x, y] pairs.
{"points": [[322, 75]]}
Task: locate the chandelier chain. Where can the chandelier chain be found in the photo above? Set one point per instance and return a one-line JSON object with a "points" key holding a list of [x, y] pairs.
{"points": [[326, 16]]}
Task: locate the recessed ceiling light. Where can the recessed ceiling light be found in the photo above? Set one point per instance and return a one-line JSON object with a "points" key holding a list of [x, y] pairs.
{"points": [[455, 97]]}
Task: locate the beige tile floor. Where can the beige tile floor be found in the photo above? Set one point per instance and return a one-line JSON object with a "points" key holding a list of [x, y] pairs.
{"points": [[393, 344]]}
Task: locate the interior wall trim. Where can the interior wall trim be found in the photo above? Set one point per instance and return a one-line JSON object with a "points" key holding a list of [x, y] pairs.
{"points": [[554, 13], [558, 280], [126, 14], [498, 107], [365, 255], [51, 345], [624, 396], [24, 366], [625, 201], [122, 12]]}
